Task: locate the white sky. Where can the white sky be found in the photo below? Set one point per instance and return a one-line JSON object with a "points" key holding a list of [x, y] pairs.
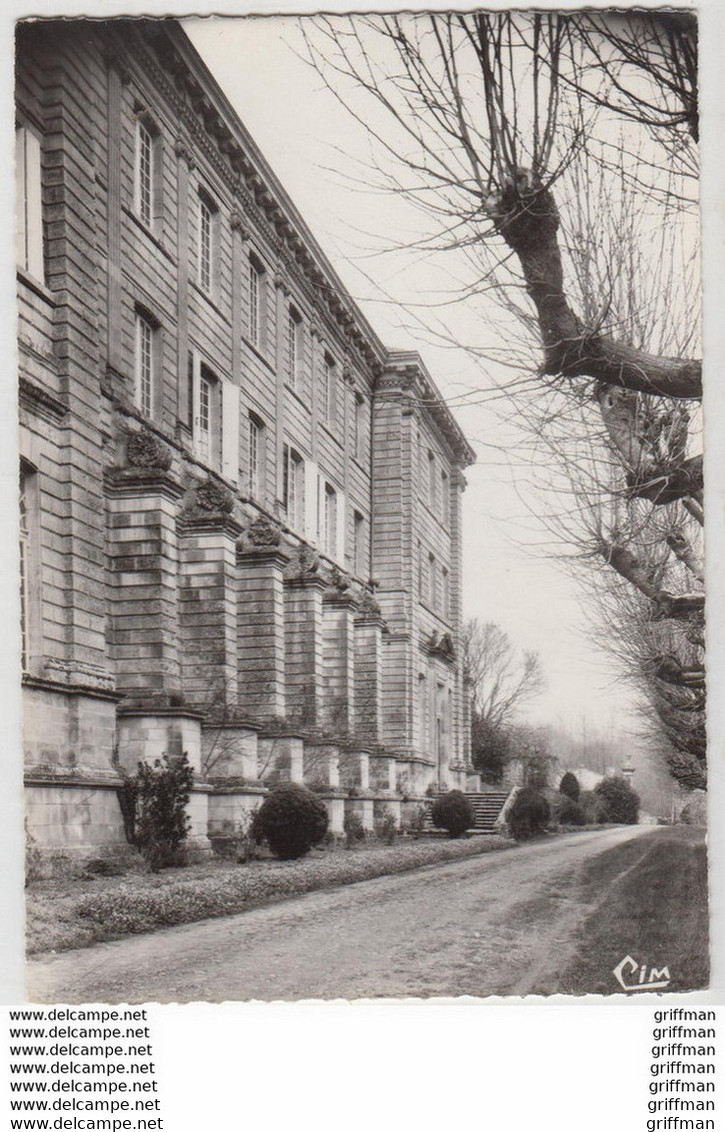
{"points": [[308, 140]]}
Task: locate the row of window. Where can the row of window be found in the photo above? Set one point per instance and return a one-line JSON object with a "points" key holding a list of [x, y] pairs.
{"points": [[434, 583], [312, 505], [257, 281], [147, 182], [434, 484]]}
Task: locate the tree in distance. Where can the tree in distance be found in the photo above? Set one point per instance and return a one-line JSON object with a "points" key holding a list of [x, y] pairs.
{"points": [[569, 785]]}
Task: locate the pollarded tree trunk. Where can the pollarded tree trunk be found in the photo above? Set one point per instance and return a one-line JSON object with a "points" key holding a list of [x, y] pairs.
{"points": [[526, 215]]}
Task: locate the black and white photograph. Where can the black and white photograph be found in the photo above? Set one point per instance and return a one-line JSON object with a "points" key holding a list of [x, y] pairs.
{"points": [[362, 584]]}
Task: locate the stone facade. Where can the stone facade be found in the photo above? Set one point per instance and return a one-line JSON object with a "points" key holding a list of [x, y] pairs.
{"points": [[241, 513]]}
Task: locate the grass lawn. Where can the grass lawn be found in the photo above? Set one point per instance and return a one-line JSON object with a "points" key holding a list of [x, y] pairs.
{"points": [[62, 914], [650, 902]]}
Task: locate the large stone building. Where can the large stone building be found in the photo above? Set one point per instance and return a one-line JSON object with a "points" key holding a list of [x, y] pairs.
{"points": [[241, 513]]}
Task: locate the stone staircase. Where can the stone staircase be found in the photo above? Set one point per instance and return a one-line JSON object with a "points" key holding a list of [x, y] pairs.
{"points": [[487, 806]]}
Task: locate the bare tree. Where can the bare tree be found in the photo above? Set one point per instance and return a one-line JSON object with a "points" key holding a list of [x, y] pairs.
{"points": [[502, 128], [502, 678]]}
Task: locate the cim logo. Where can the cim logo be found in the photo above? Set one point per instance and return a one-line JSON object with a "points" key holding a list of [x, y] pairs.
{"points": [[631, 976]]}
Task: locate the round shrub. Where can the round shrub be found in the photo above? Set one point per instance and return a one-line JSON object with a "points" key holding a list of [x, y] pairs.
{"points": [[620, 801], [569, 785], [453, 812], [291, 820], [529, 814], [570, 812], [593, 807]]}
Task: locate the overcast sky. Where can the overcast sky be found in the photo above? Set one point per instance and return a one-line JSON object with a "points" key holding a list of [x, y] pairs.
{"points": [[312, 145]]}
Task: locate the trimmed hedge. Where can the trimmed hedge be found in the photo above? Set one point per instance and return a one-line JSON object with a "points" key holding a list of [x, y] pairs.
{"points": [[620, 801], [569, 812], [144, 904], [453, 812], [529, 814], [291, 820], [569, 785]]}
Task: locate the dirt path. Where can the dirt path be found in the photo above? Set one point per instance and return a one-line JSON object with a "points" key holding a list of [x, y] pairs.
{"points": [[503, 923]]}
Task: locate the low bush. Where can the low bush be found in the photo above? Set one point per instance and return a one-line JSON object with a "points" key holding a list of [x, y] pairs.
{"points": [[593, 807], [569, 785], [569, 812], [620, 801], [153, 803], [162, 900], [453, 812], [291, 820], [529, 814]]}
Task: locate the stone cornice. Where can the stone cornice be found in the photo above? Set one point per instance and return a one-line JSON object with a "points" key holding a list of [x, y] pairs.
{"points": [[41, 402], [76, 688], [208, 522], [129, 483]]}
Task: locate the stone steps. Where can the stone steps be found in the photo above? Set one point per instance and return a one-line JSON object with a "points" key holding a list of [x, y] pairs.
{"points": [[487, 806]]}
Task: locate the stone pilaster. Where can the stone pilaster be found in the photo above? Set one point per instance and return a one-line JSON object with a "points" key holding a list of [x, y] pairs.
{"points": [[208, 609], [368, 629], [143, 556], [261, 622], [339, 656], [304, 668]]}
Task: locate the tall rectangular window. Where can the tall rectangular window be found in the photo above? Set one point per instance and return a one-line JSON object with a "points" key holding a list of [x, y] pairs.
{"points": [[145, 332], [445, 594], [29, 216], [359, 545], [445, 500], [328, 389], [330, 533], [432, 582], [144, 181], [257, 303], [205, 414], [359, 427], [294, 329], [256, 446], [293, 487], [432, 481], [206, 245]]}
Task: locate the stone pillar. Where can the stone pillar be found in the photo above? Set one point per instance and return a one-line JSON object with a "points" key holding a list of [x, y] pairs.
{"points": [[354, 769], [208, 608], [143, 555], [322, 765], [335, 814], [303, 641], [339, 647], [229, 750], [383, 772], [280, 758], [368, 718], [261, 621], [362, 808]]}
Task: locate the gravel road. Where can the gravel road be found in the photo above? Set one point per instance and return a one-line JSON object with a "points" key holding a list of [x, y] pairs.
{"points": [[500, 924]]}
